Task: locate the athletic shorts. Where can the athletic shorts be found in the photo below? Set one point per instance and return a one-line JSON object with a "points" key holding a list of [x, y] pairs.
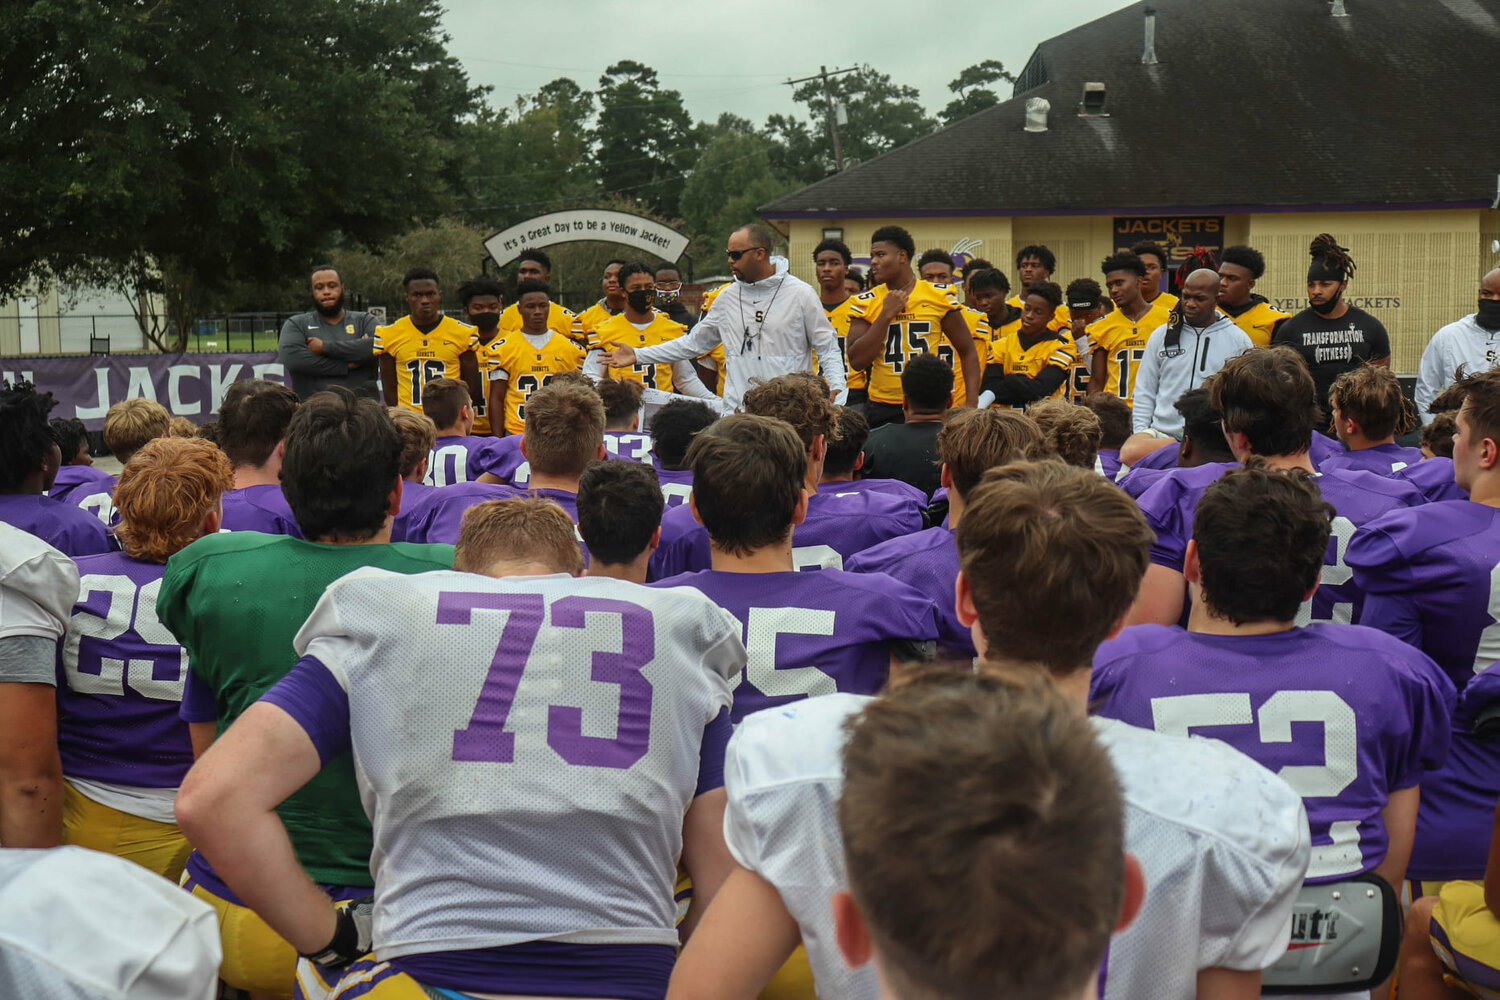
{"points": [[1466, 937], [157, 847]]}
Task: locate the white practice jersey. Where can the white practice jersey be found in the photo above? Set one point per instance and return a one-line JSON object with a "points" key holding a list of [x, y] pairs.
{"points": [[526, 749], [784, 773], [38, 586], [82, 925], [1224, 844]]}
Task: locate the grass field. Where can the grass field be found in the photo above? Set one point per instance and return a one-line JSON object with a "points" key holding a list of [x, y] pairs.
{"points": [[238, 342]]}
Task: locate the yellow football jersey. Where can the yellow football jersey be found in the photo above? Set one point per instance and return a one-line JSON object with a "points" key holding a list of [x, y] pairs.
{"points": [[1258, 322], [421, 357], [559, 319], [482, 404], [918, 329], [979, 329], [619, 331], [1124, 344], [1166, 300], [1061, 320], [526, 369], [584, 322], [709, 296], [1015, 359]]}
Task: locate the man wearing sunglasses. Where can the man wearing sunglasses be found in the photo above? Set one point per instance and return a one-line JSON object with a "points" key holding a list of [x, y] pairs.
{"points": [[770, 324]]}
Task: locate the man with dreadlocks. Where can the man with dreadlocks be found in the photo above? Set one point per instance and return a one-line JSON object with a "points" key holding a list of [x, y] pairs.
{"points": [[1333, 336], [1193, 344]]}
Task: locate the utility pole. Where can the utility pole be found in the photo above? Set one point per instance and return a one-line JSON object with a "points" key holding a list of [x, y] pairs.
{"points": [[833, 126]]}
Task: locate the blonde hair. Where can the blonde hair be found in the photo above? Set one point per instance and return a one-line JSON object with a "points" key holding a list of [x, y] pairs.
{"points": [[523, 529], [165, 491], [1072, 433], [418, 435], [130, 423]]}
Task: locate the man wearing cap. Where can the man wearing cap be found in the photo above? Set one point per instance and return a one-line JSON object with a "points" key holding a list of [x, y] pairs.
{"points": [[1332, 335]]}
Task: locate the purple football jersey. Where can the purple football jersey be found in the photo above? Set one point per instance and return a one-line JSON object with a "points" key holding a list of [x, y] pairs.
{"points": [[1430, 579], [96, 497], [460, 459], [412, 497], [809, 634], [676, 485], [1346, 715], [632, 446], [73, 477], [120, 676], [1357, 498], [928, 563], [71, 531], [1108, 463], [505, 461], [838, 525], [259, 508], [1434, 477], [437, 516], [894, 487], [1383, 459], [1161, 458]]}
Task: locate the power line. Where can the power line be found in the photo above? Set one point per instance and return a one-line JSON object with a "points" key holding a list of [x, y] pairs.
{"points": [[590, 69], [833, 126]]}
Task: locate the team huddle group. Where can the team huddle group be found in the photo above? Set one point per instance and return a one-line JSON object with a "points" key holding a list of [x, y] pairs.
{"points": [[889, 681]]}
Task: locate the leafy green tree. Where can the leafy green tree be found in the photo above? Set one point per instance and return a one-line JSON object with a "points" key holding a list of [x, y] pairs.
{"points": [[452, 248], [177, 148], [645, 141], [974, 91], [882, 114], [731, 179], [532, 158]]}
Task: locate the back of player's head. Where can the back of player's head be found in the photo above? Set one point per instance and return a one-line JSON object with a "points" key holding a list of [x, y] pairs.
{"points": [[844, 447], [1041, 253], [1114, 417], [1261, 536], [343, 457], [419, 274], [564, 428], [1047, 290], [1123, 261], [983, 831], [1481, 405], [801, 399], [619, 508], [927, 384], [896, 237], [130, 423], [182, 427], [539, 256], [1071, 432], [974, 441], [1080, 543], [443, 399], [1153, 248], [519, 535], [837, 246], [975, 264], [1247, 257], [1268, 395], [70, 436], [935, 256], [418, 435], [633, 268], [988, 279], [1203, 425], [673, 429], [480, 284], [622, 401], [1451, 398], [1371, 396], [1437, 435], [748, 474], [25, 439], [166, 490], [253, 419]]}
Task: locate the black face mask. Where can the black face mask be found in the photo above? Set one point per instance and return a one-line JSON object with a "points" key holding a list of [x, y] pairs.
{"points": [[1489, 314], [640, 301], [1323, 309], [486, 321]]}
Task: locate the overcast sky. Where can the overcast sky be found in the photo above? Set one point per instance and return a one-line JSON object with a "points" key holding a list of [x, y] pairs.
{"points": [[736, 57]]}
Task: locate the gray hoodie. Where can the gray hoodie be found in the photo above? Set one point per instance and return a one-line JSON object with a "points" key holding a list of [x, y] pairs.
{"points": [[1163, 375]]}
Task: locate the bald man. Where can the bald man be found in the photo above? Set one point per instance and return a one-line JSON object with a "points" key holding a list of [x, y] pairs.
{"points": [[1192, 345], [1472, 342]]}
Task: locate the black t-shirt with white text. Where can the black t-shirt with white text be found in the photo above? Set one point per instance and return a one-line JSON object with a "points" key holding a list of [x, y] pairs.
{"points": [[1334, 346]]}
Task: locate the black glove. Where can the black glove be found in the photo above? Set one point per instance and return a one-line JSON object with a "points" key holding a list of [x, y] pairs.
{"points": [[351, 936]]}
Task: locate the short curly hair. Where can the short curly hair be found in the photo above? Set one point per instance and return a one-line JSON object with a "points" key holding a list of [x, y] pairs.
{"points": [[165, 492], [799, 398]]}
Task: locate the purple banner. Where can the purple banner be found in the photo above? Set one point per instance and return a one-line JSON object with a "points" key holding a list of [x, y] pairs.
{"points": [[189, 385]]}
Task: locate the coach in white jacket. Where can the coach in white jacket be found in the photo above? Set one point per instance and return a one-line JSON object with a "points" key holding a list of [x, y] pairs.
{"points": [[1180, 354], [1472, 342], [770, 324]]}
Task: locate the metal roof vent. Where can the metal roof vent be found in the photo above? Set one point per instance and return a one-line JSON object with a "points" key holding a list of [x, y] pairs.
{"points": [[1148, 57], [1036, 113], [1092, 105]]}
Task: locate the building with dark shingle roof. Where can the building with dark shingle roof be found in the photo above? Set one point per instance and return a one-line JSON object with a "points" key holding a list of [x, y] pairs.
{"points": [[1263, 123]]}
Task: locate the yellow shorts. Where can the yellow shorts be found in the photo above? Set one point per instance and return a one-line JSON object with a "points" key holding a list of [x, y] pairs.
{"points": [[256, 958], [1466, 937], [1413, 890], [793, 981], [157, 847]]}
